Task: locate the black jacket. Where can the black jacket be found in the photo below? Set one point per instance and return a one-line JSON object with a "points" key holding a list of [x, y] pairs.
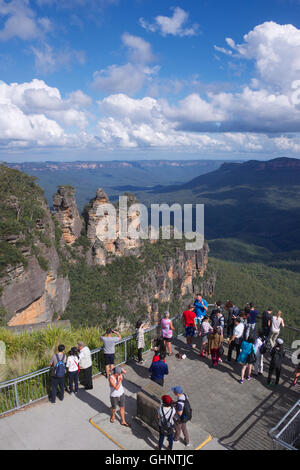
{"points": [[277, 356]]}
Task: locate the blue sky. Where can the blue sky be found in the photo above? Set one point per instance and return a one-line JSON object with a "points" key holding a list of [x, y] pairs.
{"points": [[131, 79]]}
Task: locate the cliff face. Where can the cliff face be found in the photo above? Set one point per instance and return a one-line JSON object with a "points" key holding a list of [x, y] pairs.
{"points": [[173, 283], [31, 286]]}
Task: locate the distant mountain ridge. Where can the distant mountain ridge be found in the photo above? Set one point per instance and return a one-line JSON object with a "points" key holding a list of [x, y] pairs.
{"points": [[114, 176], [255, 202], [279, 171]]}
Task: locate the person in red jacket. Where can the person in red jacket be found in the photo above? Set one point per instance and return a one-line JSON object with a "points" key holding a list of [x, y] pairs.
{"points": [[189, 322]]}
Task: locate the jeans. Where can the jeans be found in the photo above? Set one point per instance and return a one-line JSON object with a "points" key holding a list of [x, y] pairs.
{"points": [[251, 328], [233, 345], [73, 377], [170, 438], [55, 383]]}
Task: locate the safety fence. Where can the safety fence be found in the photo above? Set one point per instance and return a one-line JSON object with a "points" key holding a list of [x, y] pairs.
{"points": [[286, 434], [27, 389]]}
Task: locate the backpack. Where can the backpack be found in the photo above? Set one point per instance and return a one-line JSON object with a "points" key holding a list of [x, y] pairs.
{"points": [[166, 428], [60, 368], [187, 410]]}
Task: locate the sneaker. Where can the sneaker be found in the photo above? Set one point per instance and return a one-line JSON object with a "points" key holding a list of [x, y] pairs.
{"points": [[241, 381], [188, 444], [248, 378]]}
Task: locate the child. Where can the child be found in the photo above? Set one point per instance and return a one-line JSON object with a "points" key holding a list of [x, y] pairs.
{"points": [[158, 356], [205, 329], [73, 369], [140, 339]]}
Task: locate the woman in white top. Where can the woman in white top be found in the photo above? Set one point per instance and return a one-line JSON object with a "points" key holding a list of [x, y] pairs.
{"points": [[73, 369], [117, 394], [277, 323], [140, 340]]}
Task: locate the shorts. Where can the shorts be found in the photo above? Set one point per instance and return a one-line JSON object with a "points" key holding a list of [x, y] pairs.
{"points": [[190, 331], [109, 359], [168, 340], [115, 401]]}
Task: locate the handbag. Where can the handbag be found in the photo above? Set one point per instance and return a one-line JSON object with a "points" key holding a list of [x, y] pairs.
{"points": [[251, 358]]}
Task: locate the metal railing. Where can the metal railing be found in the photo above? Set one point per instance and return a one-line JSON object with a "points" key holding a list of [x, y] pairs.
{"points": [[27, 389], [286, 434], [22, 391]]}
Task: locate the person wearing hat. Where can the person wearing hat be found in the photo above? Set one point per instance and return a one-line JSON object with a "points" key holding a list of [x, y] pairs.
{"points": [[179, 421], [85, 363], [166, 413], [277, 356], [117, 394]]}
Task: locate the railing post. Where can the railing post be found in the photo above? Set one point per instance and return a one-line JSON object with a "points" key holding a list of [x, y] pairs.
{"points": [[125, 358], [16, 394]]}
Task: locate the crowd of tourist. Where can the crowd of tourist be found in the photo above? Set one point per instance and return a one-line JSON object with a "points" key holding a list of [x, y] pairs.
{"points": [[226, 323]]}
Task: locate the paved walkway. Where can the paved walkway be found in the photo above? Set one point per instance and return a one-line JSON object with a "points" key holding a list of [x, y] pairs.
{"points": [[236, 416]]}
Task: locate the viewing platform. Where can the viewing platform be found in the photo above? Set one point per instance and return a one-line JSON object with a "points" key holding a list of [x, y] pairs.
{"points": [[226, 414]]}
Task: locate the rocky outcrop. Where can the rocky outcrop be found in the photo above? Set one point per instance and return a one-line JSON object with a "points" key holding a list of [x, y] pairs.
{"points": [[101, 215], [67, 214]]}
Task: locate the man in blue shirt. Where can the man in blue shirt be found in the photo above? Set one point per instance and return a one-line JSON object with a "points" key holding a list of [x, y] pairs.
{"points": [[251, 322], [200, 307], [158, 370]]}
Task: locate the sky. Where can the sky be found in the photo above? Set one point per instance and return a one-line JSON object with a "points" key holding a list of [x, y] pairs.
{"points": [[146, 79]]}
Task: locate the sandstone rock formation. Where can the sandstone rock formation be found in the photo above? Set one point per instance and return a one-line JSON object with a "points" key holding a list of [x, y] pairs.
{"points": [[67, 214], [101, 215]]}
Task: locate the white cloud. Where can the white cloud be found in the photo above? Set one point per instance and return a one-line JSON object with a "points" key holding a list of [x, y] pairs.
{"points": [[140, 50], [47, 60], [174, 25], [275, 50], [20, 21], [35, 113], [131, 77], [128, 78]]}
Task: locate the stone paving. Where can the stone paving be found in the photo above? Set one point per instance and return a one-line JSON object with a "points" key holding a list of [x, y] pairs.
{"points": [[238, 416]]}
